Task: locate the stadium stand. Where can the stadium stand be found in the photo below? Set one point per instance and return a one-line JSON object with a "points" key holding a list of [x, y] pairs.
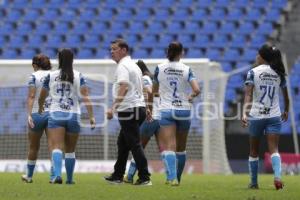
{"points": [[27, 27]]}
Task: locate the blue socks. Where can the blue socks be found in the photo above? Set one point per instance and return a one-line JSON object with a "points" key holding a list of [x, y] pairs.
{"points": [[57, 161], [253, 169], [170, 162], [181, 158], [70, 164], [276, 165], [131, 170], [30, 168]]}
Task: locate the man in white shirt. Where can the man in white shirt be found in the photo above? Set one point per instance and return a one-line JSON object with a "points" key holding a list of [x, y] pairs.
{"points": [[130, 106]]}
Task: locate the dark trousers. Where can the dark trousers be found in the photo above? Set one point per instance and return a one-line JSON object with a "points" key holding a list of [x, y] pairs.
{"points": [[129, 140]]}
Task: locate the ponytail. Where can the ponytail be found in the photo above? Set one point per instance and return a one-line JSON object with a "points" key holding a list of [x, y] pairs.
{"points": [[276, 64], [65, 61]]}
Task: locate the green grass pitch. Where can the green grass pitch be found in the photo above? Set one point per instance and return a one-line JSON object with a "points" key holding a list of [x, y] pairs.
{"points": [[92, 186]]}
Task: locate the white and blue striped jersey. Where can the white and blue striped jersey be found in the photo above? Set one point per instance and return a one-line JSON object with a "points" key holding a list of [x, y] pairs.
{"points": [[147, 82], [65, 95], [36, 80], [174, 80], [267, 83]]}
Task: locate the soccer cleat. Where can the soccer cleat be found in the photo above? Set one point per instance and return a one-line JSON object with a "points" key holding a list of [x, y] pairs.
{"points": [[26, 179], [278, 184], [253, 186], [113, 180], [126, 180], [172, 182], [143, 182], [70, 182], [56, 180]]}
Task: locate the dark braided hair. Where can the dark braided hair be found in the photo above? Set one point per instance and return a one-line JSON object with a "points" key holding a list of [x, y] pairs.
{"points": [[272, 56], [65, 63]]}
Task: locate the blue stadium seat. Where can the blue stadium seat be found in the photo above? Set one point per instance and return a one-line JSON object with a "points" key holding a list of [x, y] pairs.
{"points": [[242, 3], [265, 28], [199, 14], [279, 3], [31, 15], [180, 14], [91, 41], [164, 40], [40, 4], [253, 15], [191, 27], [230, 94], [148, 41], [213, 54], [226, 66], [68, 15], [273, 15], [140, 53], [87, 14], [158, 53], [102, 53], [9, 53], [16, 41], [50, 14], [260, 4], [55, 3], [234, 14], [248, 55], [118, 27], [98, 27], [155, 27], [165, 3], [231, 55], [62, 27], [3, 40], [194, 53], [123, 15], [85, 53], [105, 15], [80, 27], [238, 41], [227, 27], [13, 15], [246, 28], [204, 3], [174, 27], [35, 41], [185, 39], [209, 28], [50, 52], [28, 53], [6, 28], [201, 41], [142, 14], [44, 27], [136, 27], [257, 41], [217, 14], [161, 14], [73, 41], [185, 4], [54, 41], [219, 41], [24, 28]]}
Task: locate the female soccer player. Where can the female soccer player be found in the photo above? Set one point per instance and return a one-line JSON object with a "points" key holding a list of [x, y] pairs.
{"points": [[171, 81], [65, 86], [148, 128], [261, 109], [37, 122]]}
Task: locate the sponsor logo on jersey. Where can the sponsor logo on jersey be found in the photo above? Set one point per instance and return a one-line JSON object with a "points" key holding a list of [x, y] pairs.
{"points": [[171, 71]]}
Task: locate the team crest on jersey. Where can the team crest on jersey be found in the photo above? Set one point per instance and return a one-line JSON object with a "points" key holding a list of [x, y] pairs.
{"points": [[172, 71]]}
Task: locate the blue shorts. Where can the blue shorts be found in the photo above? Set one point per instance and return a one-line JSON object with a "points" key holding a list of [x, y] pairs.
{"points": [[180, 118], [148, 129], [258, 127], [40, 122], [69, 121]]}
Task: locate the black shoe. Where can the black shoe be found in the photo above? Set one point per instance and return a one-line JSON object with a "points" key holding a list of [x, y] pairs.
{"points": [[70, 182], [113, 179], [56, 180], [143, 182], [253, 186]]}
